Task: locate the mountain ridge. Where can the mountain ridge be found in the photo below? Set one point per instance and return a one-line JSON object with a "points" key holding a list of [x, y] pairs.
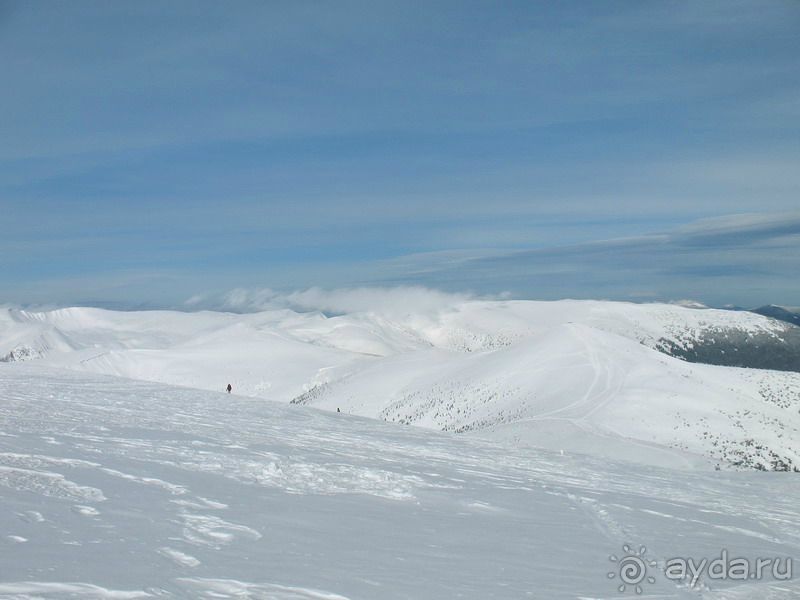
{"points": [[591, 376]]}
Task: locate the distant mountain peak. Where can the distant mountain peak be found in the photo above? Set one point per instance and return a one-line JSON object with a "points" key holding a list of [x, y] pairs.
{"points": [[778, 312]]}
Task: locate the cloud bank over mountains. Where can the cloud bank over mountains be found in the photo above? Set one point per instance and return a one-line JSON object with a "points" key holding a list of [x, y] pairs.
{"points": [[394, 301], [698, 262]]}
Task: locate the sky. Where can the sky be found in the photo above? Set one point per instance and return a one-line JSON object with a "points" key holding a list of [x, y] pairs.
{"points": [[159, 153]]}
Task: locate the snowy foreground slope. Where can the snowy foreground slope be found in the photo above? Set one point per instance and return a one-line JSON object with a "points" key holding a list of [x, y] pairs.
{"points": [[581, 376], [112, 488]]}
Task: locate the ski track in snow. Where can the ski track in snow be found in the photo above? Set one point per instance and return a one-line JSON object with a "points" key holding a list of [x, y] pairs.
{"points": [[122, 489]]}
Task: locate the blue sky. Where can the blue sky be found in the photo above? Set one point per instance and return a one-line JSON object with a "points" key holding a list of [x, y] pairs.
{"points": [[154, 151]]}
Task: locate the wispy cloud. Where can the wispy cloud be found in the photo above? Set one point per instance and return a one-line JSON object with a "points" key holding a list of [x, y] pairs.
{"points": [[292, 146], [743, 258], [397, 300]]}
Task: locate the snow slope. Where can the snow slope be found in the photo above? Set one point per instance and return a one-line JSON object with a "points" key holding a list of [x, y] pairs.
{"points": [[271, 354], [585, 390], [114, 488], [574, 375]]}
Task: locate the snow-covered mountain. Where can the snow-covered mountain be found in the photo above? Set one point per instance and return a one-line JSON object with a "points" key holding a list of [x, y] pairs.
{"points": [[586, 390], [593, 377], [782, 313], [118, 489]]}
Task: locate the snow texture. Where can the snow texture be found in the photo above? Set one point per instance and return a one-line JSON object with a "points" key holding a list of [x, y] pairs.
{"points": [[113, 488]]}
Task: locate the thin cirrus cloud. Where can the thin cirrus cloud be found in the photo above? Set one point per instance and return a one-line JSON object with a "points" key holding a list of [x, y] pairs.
{"points": [[151, 147], [743, 258], [702, 261]]}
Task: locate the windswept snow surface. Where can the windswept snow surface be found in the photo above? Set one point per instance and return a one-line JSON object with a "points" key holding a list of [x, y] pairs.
{"points": [[112, 488], [580, 376]]}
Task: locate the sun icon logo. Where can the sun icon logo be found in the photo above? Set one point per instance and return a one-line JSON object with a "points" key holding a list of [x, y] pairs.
{"points": [[632, 568]]}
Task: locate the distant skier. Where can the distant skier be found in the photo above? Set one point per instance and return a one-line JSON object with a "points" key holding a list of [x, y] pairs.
{"points": [[337, 410], [229, 388]]}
